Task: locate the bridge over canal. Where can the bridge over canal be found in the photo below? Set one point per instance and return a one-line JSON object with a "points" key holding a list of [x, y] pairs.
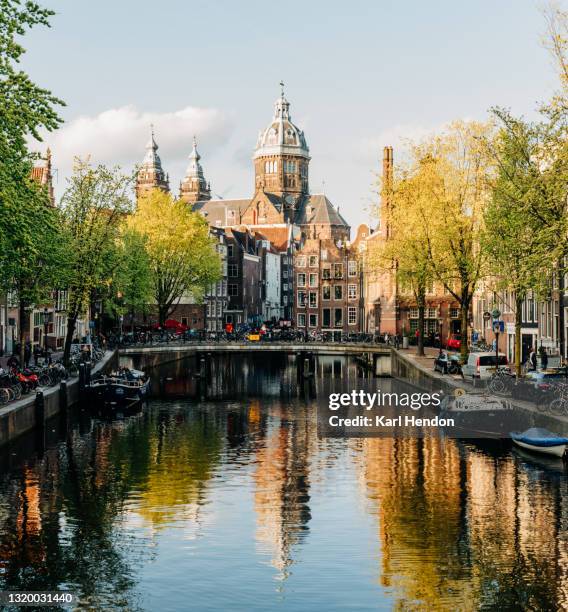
{"points": [[149, 356]]}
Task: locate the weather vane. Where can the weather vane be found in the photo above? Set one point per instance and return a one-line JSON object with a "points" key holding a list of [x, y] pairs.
{"points": [[282, 87]]}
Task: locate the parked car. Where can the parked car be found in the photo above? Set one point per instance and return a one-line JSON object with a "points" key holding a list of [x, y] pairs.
{"points": [[481, 366], [540, 387], [454, 342], [447, 363]]}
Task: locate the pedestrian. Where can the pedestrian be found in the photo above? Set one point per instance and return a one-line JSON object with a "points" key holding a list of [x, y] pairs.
{"points": [[27, 354], [532, 360], [543, 358], [37, 354], [13, 362]]}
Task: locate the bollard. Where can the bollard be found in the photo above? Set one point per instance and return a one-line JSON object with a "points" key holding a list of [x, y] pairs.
{"points": [[63, 399], [82, 378], [39, 406], [306, 367]]}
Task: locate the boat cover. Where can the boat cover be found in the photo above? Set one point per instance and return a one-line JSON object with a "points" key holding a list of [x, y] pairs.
{"points": [[538, 436]]}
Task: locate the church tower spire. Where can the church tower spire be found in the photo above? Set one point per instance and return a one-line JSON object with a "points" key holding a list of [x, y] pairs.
{"points": [[194, 187], [282, 156], [151, 174]]}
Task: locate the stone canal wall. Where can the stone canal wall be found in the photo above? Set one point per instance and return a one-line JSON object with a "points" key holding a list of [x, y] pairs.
{"points": [[408, 370], [22, 416]]}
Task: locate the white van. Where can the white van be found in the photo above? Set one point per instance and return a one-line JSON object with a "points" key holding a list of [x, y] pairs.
{"points": [[482, 365]]}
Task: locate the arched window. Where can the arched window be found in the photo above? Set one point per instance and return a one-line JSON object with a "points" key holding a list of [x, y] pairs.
{"points": [[275, 166], [266, 167]]}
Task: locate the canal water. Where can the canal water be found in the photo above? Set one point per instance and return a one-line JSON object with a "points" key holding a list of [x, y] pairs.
{"points": [[219, 496]]}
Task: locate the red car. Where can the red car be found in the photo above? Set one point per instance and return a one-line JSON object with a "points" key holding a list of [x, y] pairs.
{"points": [[454, 342]]}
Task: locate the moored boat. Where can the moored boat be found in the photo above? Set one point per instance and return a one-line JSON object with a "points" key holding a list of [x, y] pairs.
{"points": [[540, 440], [123, 387], [479, 416]]}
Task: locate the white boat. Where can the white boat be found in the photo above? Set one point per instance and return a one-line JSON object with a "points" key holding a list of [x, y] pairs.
{"points": [[539, 440]]}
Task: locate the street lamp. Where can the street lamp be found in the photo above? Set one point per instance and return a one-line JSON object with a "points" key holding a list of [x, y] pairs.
{"points": [[45, 322], [441, 328]]}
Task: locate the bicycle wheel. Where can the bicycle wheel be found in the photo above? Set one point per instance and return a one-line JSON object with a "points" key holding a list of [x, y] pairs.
{"points": [[44, 380], [558, 406], [497, 385], [4, 396]]}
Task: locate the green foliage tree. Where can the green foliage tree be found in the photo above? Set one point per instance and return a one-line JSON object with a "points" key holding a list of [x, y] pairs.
{"points": [[30, 235], [517, 250], [130, 289], [182, 254], [94, 206], [456, 169]]}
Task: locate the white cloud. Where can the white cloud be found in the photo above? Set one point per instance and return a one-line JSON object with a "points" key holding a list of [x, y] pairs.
{"points": [[119, 135]]}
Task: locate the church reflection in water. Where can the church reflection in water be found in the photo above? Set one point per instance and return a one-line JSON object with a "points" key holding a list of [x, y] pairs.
{"points": [[456, 525]]}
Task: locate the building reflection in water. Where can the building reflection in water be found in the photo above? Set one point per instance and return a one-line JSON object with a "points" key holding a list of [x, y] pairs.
{"points": [[282, 485], [460, 526]]}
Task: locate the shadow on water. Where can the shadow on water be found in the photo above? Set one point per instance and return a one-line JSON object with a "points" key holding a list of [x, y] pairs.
{"points": [[223, 479]]}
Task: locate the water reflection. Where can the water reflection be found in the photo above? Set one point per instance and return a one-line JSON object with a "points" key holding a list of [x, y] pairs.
{"points": [[238, 493]]}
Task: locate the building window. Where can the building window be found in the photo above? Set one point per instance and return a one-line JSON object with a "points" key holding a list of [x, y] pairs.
{"points": [[454, 313], [313, 299], [352, 315], [413, 314], [326, 273], [301, 320], [285, 287], [337, 270], [301, 298], [233, 270], [326, 317], [338, 317], [230, 250], [313, 261], [301, 279], [301, 261], [313, 320], [233, 289], [352, 291], [430, 313], [338, 292], [326, 292], [313, 279], [352, 267]]}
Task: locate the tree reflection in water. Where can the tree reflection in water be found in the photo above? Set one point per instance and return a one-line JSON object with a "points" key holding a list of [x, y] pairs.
{"points": [[244, 478]]}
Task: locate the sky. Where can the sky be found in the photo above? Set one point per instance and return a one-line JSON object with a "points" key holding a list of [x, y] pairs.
{"points": [[359, 75]]}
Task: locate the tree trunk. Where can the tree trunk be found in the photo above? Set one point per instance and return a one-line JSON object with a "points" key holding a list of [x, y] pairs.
{"points": [[518, 323], [561, 310], [24, 325], [421, 298], [464, 345], [162, 314], [71, 322]]}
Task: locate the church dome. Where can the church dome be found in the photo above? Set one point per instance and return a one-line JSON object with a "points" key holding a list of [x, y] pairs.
{"points": [[281, 137]]}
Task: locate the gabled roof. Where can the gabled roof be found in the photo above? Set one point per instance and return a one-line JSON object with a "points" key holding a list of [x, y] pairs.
{"points": [[280, 236], [217, 212], [317, 209], [244, 239]]}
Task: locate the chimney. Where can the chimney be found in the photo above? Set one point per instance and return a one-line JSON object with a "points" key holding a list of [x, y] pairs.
{"points": [[386, 187]]}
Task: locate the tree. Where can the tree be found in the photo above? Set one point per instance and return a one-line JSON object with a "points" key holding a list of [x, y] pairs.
{"points": [[94, 206], [182, 254], [455, 173], [29, 238], [130, 289], [517, 250], [407, 245], [32, 253]]}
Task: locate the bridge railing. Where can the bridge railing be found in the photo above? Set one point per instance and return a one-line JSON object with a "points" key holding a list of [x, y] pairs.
{"points": [[251, 343]]}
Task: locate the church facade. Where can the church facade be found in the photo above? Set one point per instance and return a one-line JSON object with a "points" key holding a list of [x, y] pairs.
{"points": [[283, 221]]}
